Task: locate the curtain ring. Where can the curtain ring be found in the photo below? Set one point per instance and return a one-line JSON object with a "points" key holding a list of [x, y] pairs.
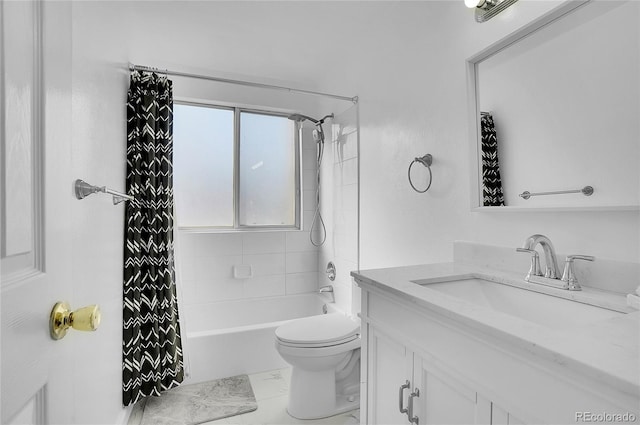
{"points": [[425, 160]]}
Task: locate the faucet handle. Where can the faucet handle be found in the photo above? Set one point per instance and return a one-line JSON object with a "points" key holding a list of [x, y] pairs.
{"points": [[534, 270], [568, 275], [581, 257]]}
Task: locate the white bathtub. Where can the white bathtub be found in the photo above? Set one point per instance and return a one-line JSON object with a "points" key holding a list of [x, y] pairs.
{"points": [[233, 337]]}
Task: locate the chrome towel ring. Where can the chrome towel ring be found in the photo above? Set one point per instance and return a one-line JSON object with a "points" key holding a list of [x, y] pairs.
{"points": [[425, 160]]}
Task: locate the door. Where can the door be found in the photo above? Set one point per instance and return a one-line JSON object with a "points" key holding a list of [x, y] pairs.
{"points": [[35, 196], [445, 399], [389, 365]]}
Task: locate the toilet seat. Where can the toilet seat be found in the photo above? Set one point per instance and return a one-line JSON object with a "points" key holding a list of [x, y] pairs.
{"points": [[316, 345], [324, 330], [319, 352]]}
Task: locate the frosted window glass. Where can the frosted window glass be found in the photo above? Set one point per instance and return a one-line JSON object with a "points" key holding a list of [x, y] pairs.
{"points": [[267, 170], [203, 165]]}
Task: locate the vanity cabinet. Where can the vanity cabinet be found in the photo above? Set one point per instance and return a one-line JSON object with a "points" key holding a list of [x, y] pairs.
{"points": [[400, 378], [462, 372]]}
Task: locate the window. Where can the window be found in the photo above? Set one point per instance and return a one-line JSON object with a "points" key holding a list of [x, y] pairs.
{"points": [[235, 168]]}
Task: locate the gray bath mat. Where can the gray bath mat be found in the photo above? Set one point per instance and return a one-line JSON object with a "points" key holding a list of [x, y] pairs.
{"points": [[199, 403]]}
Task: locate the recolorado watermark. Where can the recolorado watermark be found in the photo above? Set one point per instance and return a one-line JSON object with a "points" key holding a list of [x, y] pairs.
{"points": [[605, 417]]}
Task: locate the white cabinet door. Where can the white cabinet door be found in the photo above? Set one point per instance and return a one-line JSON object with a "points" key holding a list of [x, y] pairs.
{"points": [[438, 397], [444, 399], [499, 416], [389, 367]]}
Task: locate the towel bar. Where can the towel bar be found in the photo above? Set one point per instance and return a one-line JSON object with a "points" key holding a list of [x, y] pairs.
{"points": [[586, 191], [84, 189]]}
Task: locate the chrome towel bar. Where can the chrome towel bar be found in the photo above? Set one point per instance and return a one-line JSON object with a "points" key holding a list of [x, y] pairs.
{"points": [[84, 189], [586, 191]]}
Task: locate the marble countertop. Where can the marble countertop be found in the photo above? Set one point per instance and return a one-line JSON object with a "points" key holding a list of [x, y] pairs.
{"points": [[607, 350]]}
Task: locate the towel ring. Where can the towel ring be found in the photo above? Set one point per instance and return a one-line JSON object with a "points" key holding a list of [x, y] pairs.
{"points": [[425, 160]]}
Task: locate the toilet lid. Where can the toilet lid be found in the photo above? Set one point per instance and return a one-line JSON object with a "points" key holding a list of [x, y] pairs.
{"points": [[317, 330]]}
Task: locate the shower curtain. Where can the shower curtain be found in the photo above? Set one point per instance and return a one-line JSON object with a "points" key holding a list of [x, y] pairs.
{"points": [[151, 343], [491, 183]]}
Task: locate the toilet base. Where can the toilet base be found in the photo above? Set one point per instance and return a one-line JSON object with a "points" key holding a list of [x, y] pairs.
{"points": [[319, 400]]}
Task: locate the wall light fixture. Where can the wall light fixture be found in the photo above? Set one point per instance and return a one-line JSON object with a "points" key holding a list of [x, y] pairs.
{"points": [[487, 9]]}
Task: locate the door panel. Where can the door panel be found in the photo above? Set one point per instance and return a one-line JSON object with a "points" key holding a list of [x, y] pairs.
{"points": [[21, 194], [25, 361], [33, 413], [499, 416], [19, 71], [24, 366], [389, 367], [35, 195], [443, 399]]}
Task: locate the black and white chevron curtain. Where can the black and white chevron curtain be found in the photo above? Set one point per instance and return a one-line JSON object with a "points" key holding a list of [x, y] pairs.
{"points": [[151, 343], [491, 183]]}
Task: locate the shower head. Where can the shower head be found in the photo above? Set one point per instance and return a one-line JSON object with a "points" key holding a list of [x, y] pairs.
{"points": [[300, 118]]}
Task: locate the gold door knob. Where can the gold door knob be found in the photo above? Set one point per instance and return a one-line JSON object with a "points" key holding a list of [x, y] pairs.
{"points": [[84, 319]]}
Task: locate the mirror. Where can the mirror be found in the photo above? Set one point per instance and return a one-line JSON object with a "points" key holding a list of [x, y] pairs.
{"points": [[564, 95]]}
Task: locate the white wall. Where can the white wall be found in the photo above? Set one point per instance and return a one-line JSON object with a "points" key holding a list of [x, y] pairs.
{"points": [[406, 62]]}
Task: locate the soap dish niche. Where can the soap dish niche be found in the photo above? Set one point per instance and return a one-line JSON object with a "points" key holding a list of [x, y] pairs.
{"points": [[242, 271]]}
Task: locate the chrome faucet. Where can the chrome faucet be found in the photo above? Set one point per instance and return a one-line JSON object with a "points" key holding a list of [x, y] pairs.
{"points": [[551, 276], [329, 289], [551, 262]]}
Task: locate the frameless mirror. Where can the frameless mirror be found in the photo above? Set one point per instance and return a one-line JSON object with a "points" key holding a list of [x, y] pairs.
{"points": [[564, 95]]}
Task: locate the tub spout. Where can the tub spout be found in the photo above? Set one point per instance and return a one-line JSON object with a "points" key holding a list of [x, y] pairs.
{"points": [[329, 289]]}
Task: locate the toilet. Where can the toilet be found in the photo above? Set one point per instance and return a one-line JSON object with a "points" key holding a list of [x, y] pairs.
{"points": [[324, 352]]}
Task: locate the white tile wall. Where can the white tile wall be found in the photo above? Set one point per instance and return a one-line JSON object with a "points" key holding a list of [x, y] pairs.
{"points": [[299, 262], [299, 242], [264, 286], [307, 219], [204, 245], [347, 145], [346, 171], [309, 177], [265, 264], [297, 283], [309, 161], [263, 242], [339, 205], [309, 200]]}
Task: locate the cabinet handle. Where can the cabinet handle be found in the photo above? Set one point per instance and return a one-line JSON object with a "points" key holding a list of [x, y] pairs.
{"points": [[413, 419], [403, 387]]}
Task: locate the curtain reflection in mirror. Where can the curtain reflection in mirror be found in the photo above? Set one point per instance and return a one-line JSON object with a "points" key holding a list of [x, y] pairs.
{"points": [[491, 184]]}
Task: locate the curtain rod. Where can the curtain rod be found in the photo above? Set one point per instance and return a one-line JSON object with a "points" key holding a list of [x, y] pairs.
{"points": [[133, 67]]}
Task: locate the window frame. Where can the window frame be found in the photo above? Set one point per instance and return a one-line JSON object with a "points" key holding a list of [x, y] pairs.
{"points": [[237, 227]]}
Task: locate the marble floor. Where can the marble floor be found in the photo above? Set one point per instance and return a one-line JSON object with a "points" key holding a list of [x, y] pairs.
{"points": [[271, 390]]}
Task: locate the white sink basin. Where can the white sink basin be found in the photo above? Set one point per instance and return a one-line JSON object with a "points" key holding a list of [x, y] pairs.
{"points": [[543, 309]]}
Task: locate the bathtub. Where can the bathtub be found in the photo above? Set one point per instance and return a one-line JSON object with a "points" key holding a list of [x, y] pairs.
{"points": [[234, 337]]}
